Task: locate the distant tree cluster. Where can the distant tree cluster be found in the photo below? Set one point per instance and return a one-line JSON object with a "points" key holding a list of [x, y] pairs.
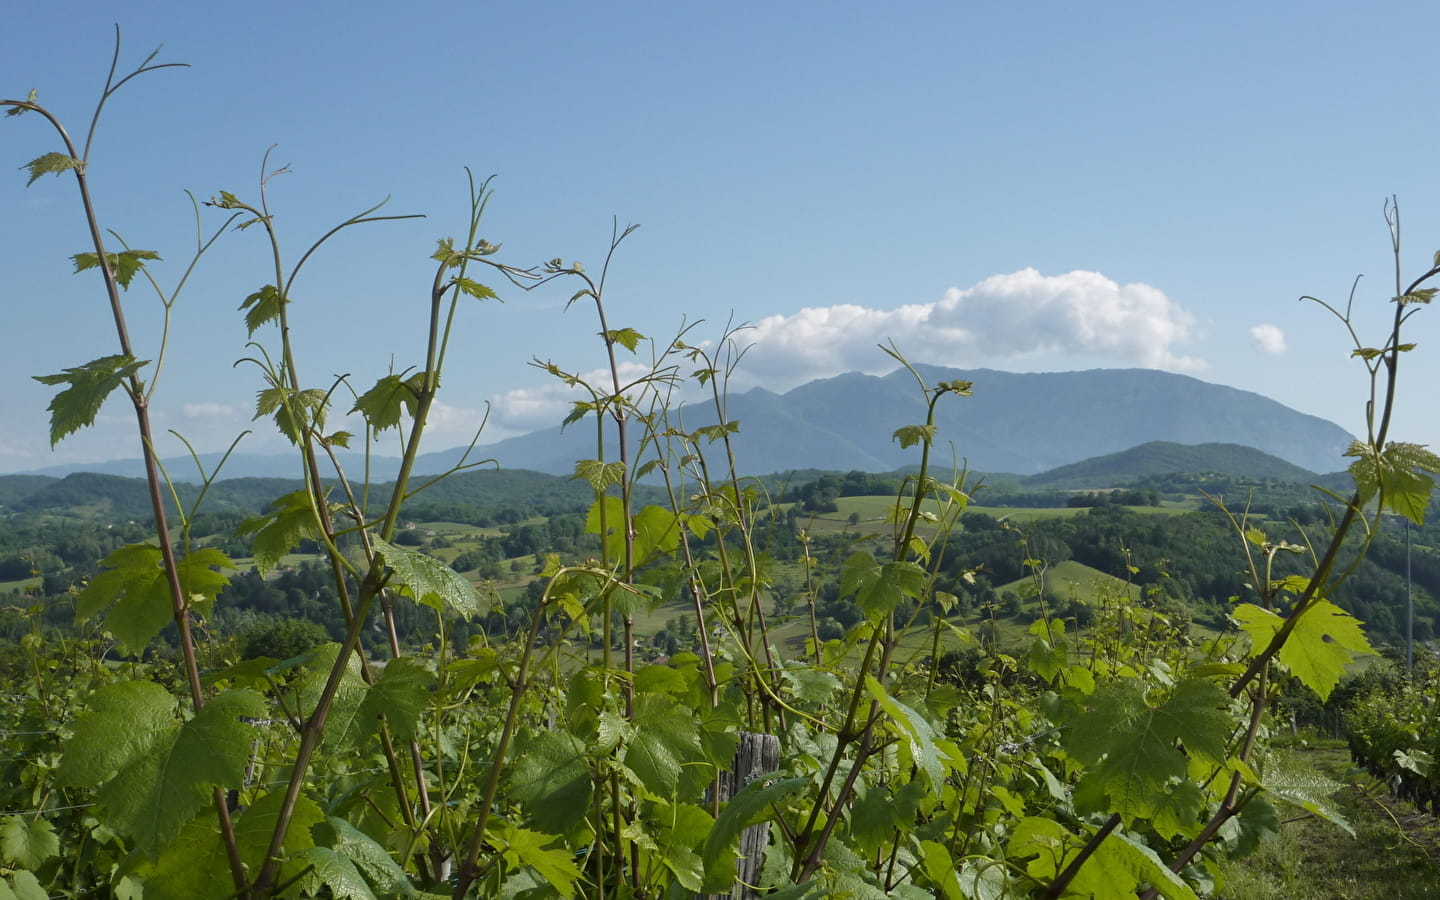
{"points": [[1117, 497]]}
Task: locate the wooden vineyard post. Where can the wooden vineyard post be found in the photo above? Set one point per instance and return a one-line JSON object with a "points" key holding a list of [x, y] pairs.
{"points": [[757, 756]]}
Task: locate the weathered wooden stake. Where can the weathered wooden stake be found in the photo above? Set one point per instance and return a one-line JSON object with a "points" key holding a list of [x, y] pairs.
{"points": [[757, 756]]}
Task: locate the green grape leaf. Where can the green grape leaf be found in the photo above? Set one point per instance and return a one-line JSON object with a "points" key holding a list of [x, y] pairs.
{"points": [[1300, 785], [628, 338], [77, 406], [1322, 643], [919, 734], [190, 866], [25, 886], [152, 773], [343, 726], [1259, 821], [599, 475], [49, 163], [1134, 748], [296, 411], [256, 825], [368, 857], [1141, 865], [550, 777], [34, 94], [392, 396], [134, 577], [1117, 868], [290, 521], [427, 580], [124, 264], [475, 289], [879, 587], [1177, 812], [527, 848], [810, 685], [262, 306], [680, 830], [27, 843], [606, 517], [939, 867], [657, 530], [401, 695], [754, 803], [135, 585], [665, 741], [910, 435], [1397, 474], [332, 869]]}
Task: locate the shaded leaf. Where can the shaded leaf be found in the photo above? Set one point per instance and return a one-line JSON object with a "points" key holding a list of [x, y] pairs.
{"points": [[152, 773], [910, 435], [753, 804], [400, 694], [550, 777], [281, 530], [1134, 748], [665, 741], [28, 842]]}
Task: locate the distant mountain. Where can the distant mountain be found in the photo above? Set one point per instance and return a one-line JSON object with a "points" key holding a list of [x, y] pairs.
{"points": [[1025, 423], [1163, 458]]}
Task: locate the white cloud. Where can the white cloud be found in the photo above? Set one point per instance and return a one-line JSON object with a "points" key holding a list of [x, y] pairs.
{"points": [[1024, 320], [210, 409], [1268, 338], [1019, 320], [546, 405]]}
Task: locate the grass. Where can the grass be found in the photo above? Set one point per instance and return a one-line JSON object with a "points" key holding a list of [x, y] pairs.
{"points": [[1391, 857], [1070, 580]]}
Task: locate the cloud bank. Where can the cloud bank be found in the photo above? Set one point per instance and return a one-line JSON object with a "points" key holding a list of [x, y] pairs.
{"points": [[1023, 320]]}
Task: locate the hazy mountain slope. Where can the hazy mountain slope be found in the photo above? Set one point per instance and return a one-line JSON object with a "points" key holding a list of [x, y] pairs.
{"points": [[1014, 422]]}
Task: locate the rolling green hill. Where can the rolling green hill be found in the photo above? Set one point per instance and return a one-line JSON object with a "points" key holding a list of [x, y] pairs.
{"points": [[1164, 457]]}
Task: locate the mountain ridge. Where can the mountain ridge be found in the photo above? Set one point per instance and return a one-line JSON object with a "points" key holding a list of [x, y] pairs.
{"points": [[1027, 423]]}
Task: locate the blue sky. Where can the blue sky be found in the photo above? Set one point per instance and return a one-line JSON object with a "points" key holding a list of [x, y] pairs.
{"points": [[1027, 186]]}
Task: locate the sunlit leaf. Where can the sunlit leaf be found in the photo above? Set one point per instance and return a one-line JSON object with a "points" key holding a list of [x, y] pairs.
{"points": [[1322, 643], [89, 385], [428, 580], [50, 162], [124, 264], [261, 307]]}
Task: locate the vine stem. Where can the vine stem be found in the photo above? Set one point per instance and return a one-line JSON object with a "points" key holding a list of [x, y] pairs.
{"points": [[180, 609]]}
